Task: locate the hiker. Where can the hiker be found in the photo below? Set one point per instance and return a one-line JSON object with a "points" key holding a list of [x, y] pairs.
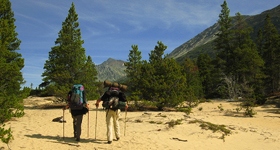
{"points": [[112, 113], [77, 110]]}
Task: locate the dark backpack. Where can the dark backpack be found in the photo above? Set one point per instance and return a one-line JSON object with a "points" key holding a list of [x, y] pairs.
{"points": [[113, 101], [76, 97]]}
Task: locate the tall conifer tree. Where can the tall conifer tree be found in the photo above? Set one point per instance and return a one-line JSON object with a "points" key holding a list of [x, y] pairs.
{"points": [[162, 79], [259, 42], [11, 64], [271, 55], [89, 79], [133, 73], [206, 74], [193, 82], [133, 67], [222, 43], [68, 64], [223, 46], [244, 52]]}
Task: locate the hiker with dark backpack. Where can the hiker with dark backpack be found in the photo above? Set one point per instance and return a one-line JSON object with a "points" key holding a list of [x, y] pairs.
{"points": [[113, 100], [76, 101]]}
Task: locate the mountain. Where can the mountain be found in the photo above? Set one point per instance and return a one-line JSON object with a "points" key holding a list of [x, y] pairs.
{"points": [[204, 41], [201, 39], [111, 70]]}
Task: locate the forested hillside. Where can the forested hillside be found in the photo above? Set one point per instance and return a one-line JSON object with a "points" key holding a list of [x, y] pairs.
{"points": [[204, 42]]}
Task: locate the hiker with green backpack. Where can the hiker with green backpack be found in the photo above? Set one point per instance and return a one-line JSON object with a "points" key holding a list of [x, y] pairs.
{"points": [[76, 101], [113, 100]]}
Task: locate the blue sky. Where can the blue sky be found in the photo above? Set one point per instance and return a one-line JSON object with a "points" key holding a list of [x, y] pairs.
{"points": [[110, 27]]}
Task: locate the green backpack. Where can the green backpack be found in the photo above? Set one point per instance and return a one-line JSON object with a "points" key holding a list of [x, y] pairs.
{"points": [[113, 101]]}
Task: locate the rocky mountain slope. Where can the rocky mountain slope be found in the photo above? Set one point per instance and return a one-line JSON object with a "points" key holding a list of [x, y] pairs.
{"points": [[113, 70], [110, 70], [203, 42], [201, 39]]}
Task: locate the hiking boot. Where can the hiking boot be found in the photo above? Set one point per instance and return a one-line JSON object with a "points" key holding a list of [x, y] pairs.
{"points": [[78, 139], [109, 142]]}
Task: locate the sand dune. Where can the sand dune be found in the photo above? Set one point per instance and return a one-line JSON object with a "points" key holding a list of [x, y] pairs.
{"points": [[148, 129]]}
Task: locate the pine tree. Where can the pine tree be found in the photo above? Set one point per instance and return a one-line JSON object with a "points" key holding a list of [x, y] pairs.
{"points": [[222, 43], [89, 79], [223, 46], [133, 67], [193, 82], [133, 72], [259, 42], [244, 52], [68, 64], [163, 81], [11, 63], [271, 56], [205, 72]]}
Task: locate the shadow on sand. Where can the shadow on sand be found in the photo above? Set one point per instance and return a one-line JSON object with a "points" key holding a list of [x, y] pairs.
{"points": [[67, 140]]}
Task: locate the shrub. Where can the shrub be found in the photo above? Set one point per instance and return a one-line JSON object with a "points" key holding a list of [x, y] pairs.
{"points": [[164, 116], [238, 109], [221, 107], [248, 105], [186, 110], [172, 123], [213, 127], [138, 121]]}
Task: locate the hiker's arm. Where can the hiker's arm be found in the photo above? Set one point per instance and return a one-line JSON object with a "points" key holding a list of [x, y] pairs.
{"points": [[97, 102], [64, 108], [124, 98], [126, 106], [85, 99], [68, 100], [67, 106]]}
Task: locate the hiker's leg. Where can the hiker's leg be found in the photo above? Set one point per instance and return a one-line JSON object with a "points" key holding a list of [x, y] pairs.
{"points": [[79, 124], [74, 125], [116, 123], [109, 121]]}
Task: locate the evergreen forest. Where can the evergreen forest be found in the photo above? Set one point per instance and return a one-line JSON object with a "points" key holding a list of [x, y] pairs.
{"points": [[242, 67]]}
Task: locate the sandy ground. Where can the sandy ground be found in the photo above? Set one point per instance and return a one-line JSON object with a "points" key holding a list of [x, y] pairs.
{"points": [[37, 131]]}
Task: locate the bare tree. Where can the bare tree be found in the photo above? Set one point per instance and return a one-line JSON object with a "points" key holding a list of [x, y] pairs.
{"points": [[234, 90]]}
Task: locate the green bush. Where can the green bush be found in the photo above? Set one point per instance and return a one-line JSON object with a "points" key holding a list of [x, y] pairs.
{"points": [[186, 110], [221, 107], [248, 105], [213, 127], [138, 120], [5, 135], [152, 122], [172, 123]]}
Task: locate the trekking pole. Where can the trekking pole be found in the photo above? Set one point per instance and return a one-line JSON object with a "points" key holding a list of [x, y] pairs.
{"points": [[125, 121], [63, 123], [88, 125], [96, 123]]}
